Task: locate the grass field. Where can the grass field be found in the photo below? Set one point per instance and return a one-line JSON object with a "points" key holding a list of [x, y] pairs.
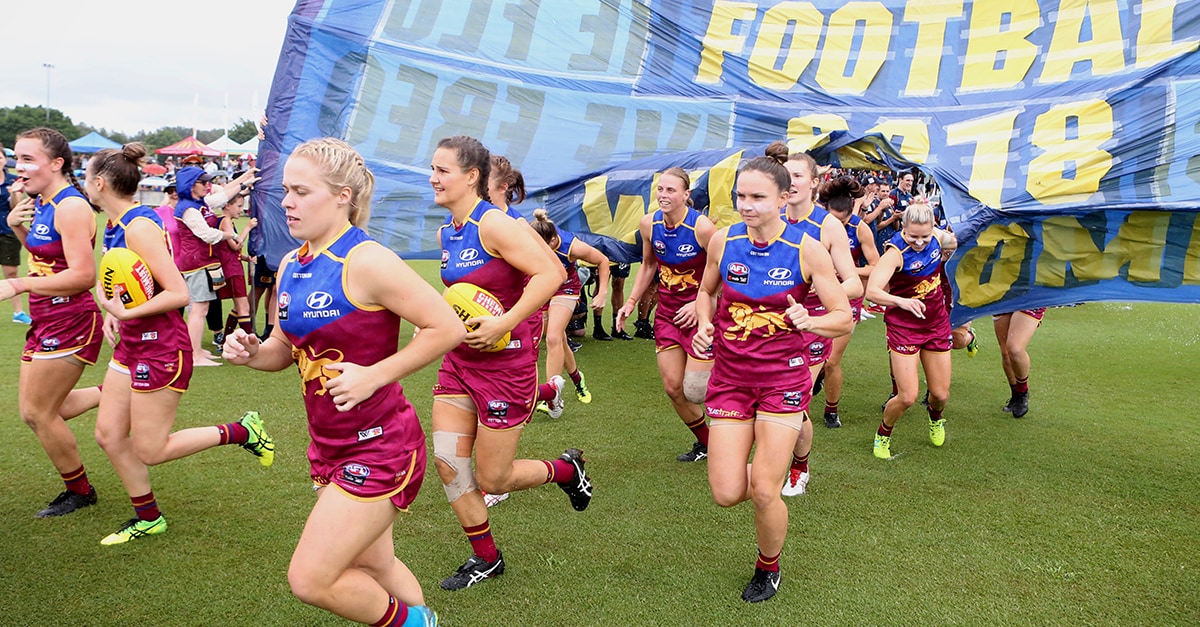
{"points": [[1083, 512]]}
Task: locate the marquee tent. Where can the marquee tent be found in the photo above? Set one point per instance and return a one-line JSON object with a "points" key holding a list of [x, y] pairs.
{"points": [[92, 142], [190, 146]]}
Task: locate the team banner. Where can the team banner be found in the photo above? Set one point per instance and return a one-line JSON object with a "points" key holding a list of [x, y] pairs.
{"points": [[1065, 134]]}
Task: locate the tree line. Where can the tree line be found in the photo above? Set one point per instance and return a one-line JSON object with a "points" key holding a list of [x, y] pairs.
{"points": [[14, 120]]}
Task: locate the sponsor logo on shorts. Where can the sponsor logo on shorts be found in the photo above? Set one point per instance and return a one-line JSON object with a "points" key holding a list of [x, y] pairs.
{"points": [[793, 399], [795, 361], [149, 336], [368, 434], [141, 372], [906, 349], [60, 300], [717, 412], [497, 409], [50, 344], [355, 473], [738, 273]]}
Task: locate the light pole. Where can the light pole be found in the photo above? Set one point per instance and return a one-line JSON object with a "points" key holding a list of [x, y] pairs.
{"points": [[48, 68]]}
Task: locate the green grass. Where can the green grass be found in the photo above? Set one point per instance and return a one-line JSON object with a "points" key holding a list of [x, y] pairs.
{"points": [[1083, 512]]}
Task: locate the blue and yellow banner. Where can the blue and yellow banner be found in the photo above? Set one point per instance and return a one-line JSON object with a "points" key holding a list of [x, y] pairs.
{"points": [[1065, 134]]}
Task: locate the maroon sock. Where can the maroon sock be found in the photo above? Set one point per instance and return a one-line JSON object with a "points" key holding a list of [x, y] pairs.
{"points": [[700, 430], [1022, 386], [767, 563], [234, 433], [146, 507], [831, 406], [559, 471], [1013, 387], [575, 376], [884, 430], [800, 463], [482, 542], [934, 414], [395, 615], [77, 481], [546, 392]]}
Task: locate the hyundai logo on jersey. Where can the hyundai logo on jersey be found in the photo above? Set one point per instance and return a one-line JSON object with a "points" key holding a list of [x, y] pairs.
{"points": [[686, 250], [319, 300], [780, 274], [468, 254]]}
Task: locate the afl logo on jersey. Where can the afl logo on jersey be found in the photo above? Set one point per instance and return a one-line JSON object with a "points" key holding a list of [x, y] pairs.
{"points": [[738, 273], [660, 247], [445, 258], [319, 300], [285, 299]]}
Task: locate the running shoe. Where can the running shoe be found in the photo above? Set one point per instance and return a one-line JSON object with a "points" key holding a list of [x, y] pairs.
{"points": [[573, 345], [699, 451], [541, 406], [219, 340], [762, 586], [832, 421], [643, 329], [493, 499], [973, 346], [581, 390], [475, 570], [578, 489], [599, 333], [1019, 405], [136, 528], [67, 502], [937, 432], [796, 484], [622, 335], [260, 443], [424, 616], [883, 446], [555, 406], [21, 317], [866, 314]]}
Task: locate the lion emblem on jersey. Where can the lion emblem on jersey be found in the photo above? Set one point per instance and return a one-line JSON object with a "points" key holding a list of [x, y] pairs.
{"points": [[746, 319], [316, 367], [677, 281], [928, 286]]}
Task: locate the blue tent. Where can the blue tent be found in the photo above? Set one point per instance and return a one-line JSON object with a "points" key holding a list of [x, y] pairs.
{"points": [[93, 142]]}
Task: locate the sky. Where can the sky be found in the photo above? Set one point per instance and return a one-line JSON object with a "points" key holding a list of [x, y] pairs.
{"points": [[136, 65]]}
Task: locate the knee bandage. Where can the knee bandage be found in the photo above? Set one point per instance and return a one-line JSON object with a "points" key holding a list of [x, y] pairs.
{"points": [[695, 385], [445, 449]]}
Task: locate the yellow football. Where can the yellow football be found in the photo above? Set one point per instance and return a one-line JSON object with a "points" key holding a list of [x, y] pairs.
{"points": [[125, 276], [471, 301]]}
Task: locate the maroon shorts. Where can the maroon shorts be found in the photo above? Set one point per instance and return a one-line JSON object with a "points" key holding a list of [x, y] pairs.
{"points": [[79, 334], [731, 401], [235, 287], [816, 348], [503, 399], [1036, 314], [906, 341], [856, 309], [668, 336], [150, 373], [397, 477]]}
